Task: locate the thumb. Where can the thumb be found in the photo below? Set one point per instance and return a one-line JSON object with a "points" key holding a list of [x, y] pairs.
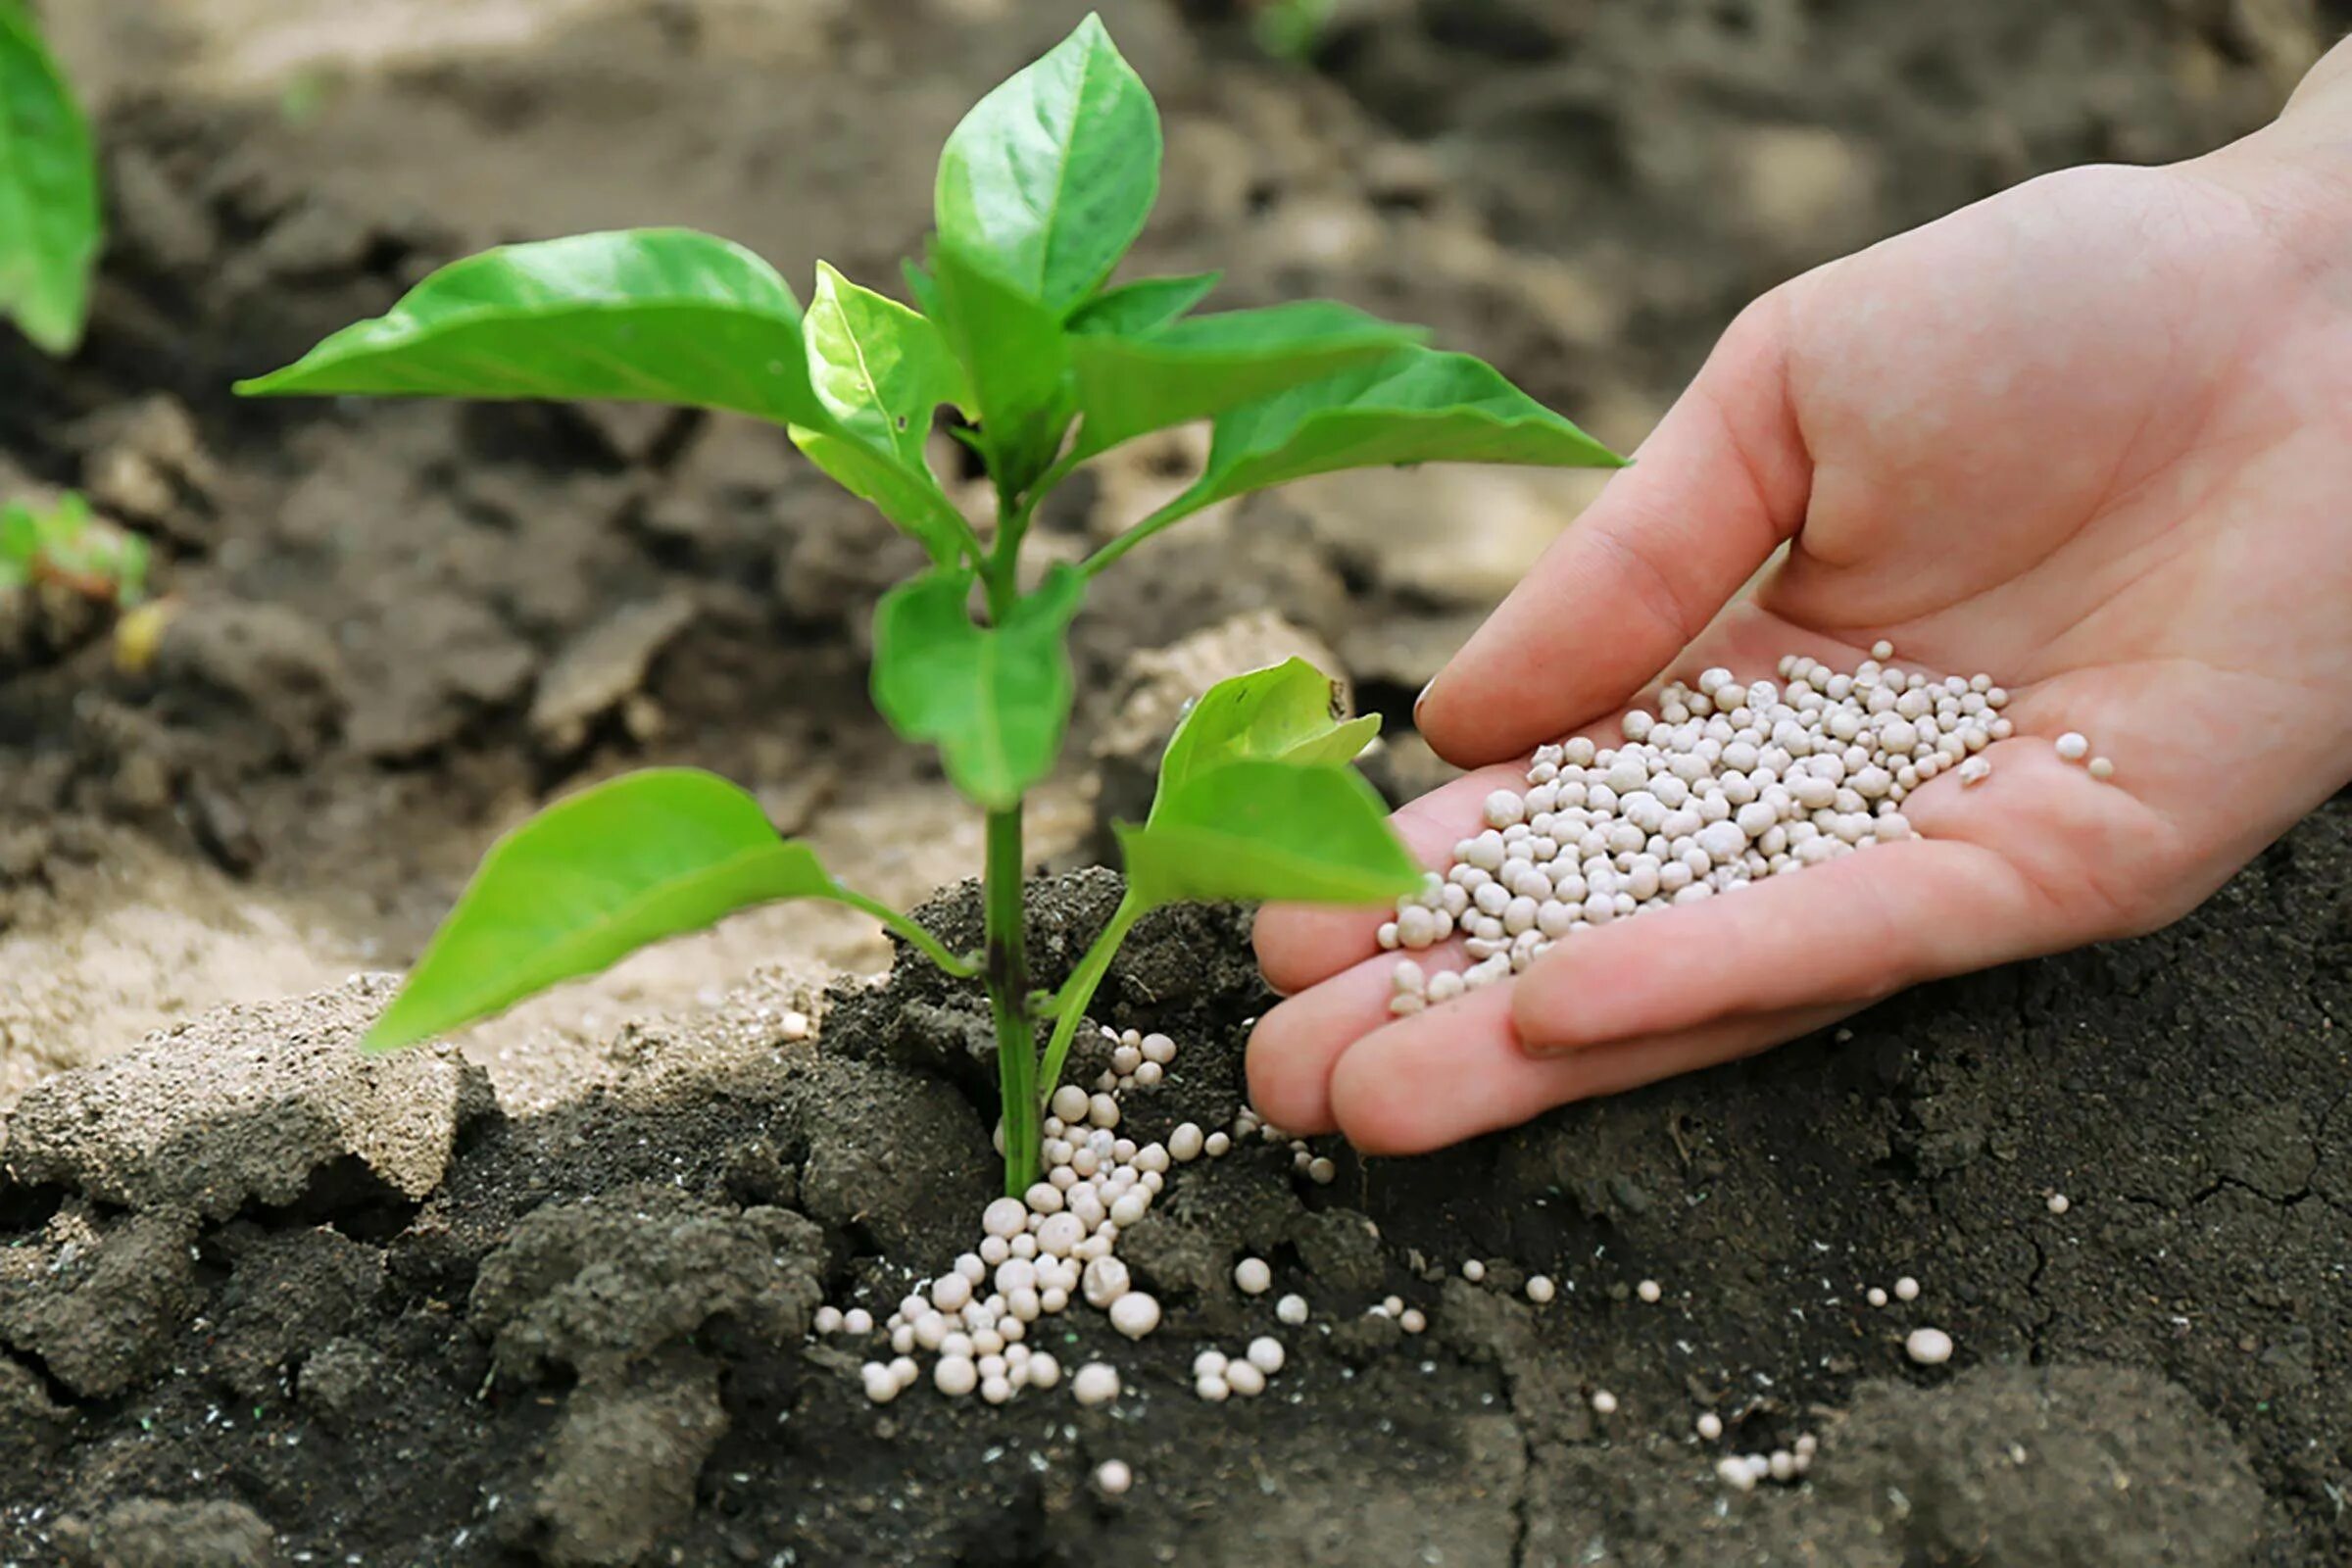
{"points": [[1716, 488]]}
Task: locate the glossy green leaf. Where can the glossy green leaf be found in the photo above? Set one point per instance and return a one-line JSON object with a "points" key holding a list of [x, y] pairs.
{"points": [[1290, 713], [1014, 352], [590, 880], [1416, 406], [995, 700], [1254, 831], [1202, 365], [649, 316], [49, 215], [878, 368], [1144, 306], [1049, 178]]}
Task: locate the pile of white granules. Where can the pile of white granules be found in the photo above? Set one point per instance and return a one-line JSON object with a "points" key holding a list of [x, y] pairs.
{"points": [[1723, 784]]}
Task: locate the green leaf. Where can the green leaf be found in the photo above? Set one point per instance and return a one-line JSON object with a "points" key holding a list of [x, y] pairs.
{"points": [[911, 500], [649, 316], [995, 700], [1416, 406], [1014, 352], [881, 371], [1144, 306], [1049, 178], [878, 368], [20, 541], [1130, 385], [49, 216], [587, 882], [1254, 831], [1290, 713]]}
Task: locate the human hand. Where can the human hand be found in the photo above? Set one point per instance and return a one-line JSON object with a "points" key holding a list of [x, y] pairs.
{"points": [[2093, 436]]}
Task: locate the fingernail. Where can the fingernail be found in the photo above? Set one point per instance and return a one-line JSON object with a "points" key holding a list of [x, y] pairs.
{"points": [[1423, 697]]}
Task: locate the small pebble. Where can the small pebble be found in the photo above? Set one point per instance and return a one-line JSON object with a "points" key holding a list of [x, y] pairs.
{"points": [[1134, 1314], [1875, 1296], [1290, 1309], [1710, 1425], [1245, 1380], [1929, 1346], [1906, 1288], [1539, 1289], [1412, 1319], [1975, 770], [1735, 1474], [1265, 1352], [1112, 1478], [1474, 1271], [2060, 1202], [1252, 1276], [2072, 746], [2101, 769], [1604, 1402], [881, 1383], [1096, 1383], [1648, 1291]]}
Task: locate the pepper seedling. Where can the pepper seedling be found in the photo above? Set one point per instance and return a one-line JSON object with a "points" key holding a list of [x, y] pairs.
{"points": [[48, 192], [1041, 192], [66, 548]]}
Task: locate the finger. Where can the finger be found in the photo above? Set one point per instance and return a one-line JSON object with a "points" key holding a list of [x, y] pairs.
{"points": [[1301, 943], [1719, 483], [1459, 1070], [1294, 1045], [1846, 932]]}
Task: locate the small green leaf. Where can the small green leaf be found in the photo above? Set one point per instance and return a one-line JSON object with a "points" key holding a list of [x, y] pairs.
{"points": [[1144, 306], [1130, 385], [1416, 406], [1292, 713], [587, 882], [649, 316], [1254, 831], [1049, 178], [911, 500], [1014, 350], [878, 368], [995, 700], [49, 214]]}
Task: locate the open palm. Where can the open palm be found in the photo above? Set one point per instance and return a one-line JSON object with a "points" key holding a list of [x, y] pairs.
{"points": [[2094, 438]]}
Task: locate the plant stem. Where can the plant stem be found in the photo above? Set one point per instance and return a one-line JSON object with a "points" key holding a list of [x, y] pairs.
{"points": [[1007, 978], [1070, 1003], [1005, 919], [930, 945]]}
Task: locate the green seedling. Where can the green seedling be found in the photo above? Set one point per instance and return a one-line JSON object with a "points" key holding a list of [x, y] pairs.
{"points": [[1290, 29], [68, 548], [49, 221], [1019, 328]]}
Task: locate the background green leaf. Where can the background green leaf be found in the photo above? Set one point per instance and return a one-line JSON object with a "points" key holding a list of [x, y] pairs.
{"points": [[995, 700], [649, 316], [1145, 305], [1049, 178], [1255, 831], [587, 882], [1290, 713], [49, 215], [878, 368], [1014, 350], [1130, 385]]}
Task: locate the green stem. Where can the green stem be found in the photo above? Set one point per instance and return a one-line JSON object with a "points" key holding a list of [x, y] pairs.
{"points": [[1175, 512], [1008, 979], [1070, 1003], [930, 945]]}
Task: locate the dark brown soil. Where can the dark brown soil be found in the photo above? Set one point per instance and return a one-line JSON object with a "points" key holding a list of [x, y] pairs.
{"points": [[588, 1344], [233, 1330]]}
